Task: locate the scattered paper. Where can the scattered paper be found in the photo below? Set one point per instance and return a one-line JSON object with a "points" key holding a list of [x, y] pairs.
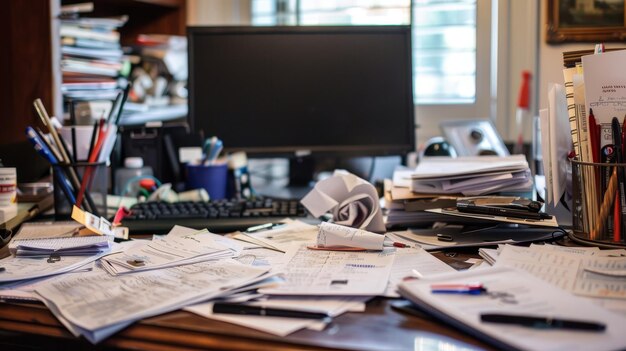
{"points": [[95, 302], [570, 270], [333, 306], [409, 260], [337, 273], [172, 250], [281, 238], [532, 296]]}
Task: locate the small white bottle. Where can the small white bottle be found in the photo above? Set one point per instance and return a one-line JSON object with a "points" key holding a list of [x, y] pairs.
{"points": [[133, 167]]}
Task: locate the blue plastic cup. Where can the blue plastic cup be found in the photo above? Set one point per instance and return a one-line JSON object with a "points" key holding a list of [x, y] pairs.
{"points": [[212, 178]]}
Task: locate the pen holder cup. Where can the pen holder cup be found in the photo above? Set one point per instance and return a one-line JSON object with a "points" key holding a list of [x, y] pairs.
{"points": [[598, 205], [69, 179], [212, 178]]}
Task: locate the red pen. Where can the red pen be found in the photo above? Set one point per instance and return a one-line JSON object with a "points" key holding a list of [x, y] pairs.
{"points": [[102, 132]]}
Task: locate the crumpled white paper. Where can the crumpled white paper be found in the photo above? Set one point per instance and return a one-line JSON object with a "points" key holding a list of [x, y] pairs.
{"points": [[352, 201], [333, 235]]}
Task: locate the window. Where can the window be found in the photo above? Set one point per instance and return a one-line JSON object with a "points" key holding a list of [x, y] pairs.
{"points": [[444, 39]]}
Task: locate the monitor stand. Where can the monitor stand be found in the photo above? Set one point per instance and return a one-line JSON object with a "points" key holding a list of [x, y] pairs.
{"points": [[300, 182]]}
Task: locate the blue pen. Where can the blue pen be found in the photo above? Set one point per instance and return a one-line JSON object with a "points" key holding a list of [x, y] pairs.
{"points": [[43, 150]]}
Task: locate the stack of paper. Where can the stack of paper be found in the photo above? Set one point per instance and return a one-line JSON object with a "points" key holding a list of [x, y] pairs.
{"points": [[524, 295], [182, 246], [96, 304], [27, 268], [72, 246], [406, 208], [471, 176], [585, 271]]}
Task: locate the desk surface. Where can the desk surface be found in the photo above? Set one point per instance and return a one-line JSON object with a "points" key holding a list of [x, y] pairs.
{"points": [[380, 327]]}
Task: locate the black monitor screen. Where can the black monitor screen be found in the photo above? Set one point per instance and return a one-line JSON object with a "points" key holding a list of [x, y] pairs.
{"points": [[278, 90]]}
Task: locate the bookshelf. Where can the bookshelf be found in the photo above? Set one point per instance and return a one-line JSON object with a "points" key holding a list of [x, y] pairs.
{"points": [[29, 66]]}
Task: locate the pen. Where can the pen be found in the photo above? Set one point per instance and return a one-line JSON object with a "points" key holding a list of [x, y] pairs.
{"points": [[93, 157], [249, 310], [500, 211], [470, 289], [43, 150], [541, 322], [64, 158], [266, 226]]}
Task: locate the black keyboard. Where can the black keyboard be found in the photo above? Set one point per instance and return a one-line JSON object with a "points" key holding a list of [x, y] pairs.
{"points": [[220, 216]]}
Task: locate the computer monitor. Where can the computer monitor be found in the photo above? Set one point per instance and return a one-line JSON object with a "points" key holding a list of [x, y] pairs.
{"points": [[331, 90]]}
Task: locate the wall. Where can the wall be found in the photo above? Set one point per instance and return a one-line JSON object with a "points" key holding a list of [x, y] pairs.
{"points": [[551, 58], [218, 12], [516, 43]]}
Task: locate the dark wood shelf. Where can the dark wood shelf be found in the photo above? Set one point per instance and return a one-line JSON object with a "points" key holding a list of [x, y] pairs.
{"points": [[28, 68]]}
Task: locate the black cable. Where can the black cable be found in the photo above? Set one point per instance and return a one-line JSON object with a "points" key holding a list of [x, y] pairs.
{"points": [[372, 168]]}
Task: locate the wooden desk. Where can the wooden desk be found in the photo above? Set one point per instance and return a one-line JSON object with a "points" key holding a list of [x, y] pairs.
{"points": [[379, 328]]}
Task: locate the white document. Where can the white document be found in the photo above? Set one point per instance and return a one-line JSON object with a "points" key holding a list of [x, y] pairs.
{"points": [[402, 177], [532, 296], [334, 273], [261, 257], [172, 251], [78, 245], [24, 268], [439, 167], [409, 260], [569, 269], [352, 200], [95, 301], [25, 289], [334, 235], [280, 239], [333, 306], [605, 88], [471, 175]]}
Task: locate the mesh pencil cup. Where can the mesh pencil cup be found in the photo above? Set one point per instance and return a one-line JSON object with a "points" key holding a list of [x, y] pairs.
{"points": [[68, 181], [599, 203]]}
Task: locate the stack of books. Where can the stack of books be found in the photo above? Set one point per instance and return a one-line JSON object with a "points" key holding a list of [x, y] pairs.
{"points": [[92, 59]]}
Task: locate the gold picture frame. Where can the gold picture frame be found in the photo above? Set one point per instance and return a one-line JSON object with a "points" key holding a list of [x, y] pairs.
{"points": [[586, 21]]}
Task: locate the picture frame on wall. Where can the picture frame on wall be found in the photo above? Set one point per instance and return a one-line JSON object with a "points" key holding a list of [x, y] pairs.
{"points": [[586, 21]]}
